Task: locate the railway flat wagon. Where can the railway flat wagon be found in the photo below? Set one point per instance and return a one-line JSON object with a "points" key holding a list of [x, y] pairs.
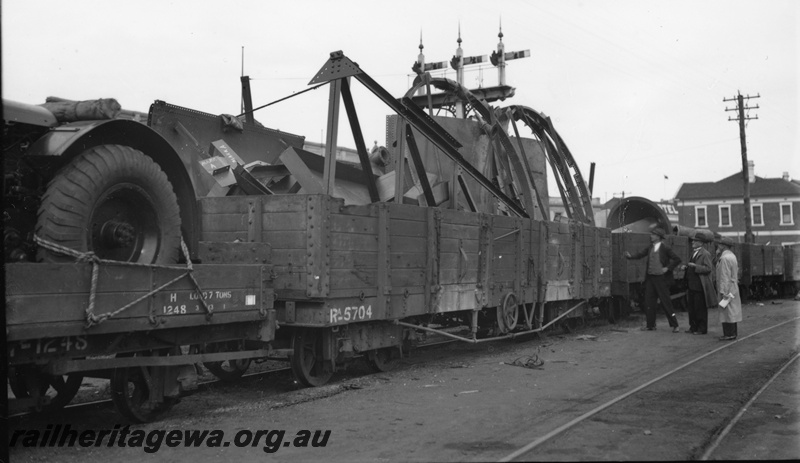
{"points": [[65, 322]]}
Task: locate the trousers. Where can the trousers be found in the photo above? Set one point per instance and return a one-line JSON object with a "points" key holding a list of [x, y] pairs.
{"points": [[657, 287], [698, 312], [730, 329]]}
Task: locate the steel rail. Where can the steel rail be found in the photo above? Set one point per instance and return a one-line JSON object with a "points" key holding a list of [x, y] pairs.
{"points": [[710, 449], [201, 385], [535, 443]]}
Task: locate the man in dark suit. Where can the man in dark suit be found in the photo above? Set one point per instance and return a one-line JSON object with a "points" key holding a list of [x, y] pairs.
{"points": [[702, 293], [661, 260]]}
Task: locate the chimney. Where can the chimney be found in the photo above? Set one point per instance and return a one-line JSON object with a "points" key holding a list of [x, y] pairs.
{"points": [[786, 177], [751, 176]]}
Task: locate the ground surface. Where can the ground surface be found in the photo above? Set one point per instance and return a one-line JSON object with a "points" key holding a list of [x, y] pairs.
{"points": [[471, 403]]}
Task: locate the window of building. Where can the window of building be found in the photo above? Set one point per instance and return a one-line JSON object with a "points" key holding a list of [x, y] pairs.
{"points": [[725, 216], [700, 216], [786, 214], [758, 214]]}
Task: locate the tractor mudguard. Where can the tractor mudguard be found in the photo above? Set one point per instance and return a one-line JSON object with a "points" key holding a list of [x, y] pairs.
{"points": [[69, 140]]}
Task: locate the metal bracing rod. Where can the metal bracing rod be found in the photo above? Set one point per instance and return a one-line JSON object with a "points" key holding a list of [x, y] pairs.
{"points": [[329, 171], [62, 367], [435, 134], [352, 116], [512, 232], [284, 98], [495, 338], [419, 167], [467, 194]]}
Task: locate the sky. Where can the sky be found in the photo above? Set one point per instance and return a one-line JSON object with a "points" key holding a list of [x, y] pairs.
{"points": [[637, 87]]}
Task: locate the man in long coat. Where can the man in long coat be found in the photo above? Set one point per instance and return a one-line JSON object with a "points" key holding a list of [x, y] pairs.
{"points": [[702, 294], [728, 290], [661, 261]]}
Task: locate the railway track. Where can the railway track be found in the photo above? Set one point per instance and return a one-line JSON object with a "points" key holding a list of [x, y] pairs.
{"points": [[202, 385], [724, 434], [614, 413]]}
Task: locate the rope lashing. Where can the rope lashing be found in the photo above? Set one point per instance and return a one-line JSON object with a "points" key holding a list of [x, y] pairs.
{"points": [[89, 256]]}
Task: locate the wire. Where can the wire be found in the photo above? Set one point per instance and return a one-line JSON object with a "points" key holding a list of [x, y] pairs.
{"points": [[285, 98]]}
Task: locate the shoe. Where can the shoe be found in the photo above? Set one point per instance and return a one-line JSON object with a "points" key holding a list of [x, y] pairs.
{"points": [[689, 331], [675, 329], [727, 338], [699, 332], [647, 328]]}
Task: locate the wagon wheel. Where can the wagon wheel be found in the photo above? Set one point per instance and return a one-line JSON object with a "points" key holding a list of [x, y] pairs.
{"points": [[385, 359], [227, 370], [114, 201], [508, 313], [308, 366], [132, 389], [61, 389]]}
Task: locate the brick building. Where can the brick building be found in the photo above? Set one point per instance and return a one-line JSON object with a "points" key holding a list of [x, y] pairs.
{"points": [[719, 207]]}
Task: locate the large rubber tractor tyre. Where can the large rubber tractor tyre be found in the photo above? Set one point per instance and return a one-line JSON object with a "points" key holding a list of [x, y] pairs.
{"points": [[114, 201]]}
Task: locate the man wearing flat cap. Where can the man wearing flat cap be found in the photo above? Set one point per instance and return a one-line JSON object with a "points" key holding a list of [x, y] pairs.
{"points": [[728, 287], [661, 260], [702, 294]]}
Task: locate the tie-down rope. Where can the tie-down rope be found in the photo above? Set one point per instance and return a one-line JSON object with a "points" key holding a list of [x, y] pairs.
{"points": [[89, 256]]}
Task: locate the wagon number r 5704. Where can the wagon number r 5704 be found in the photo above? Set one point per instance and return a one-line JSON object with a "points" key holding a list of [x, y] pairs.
{"points": [[351, 313]]}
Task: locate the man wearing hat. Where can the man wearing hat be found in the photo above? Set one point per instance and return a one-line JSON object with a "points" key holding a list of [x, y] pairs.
{"points": [[661, 260], [728, 287], [702, 293]]}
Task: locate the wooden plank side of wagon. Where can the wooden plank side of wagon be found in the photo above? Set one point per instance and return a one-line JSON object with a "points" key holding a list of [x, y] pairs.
{"points": [[624, 271], [596, 262], [774, 257], [791, 254], [279, 220], [509, 259], [47, 300], [460, 266], [561, 266]]}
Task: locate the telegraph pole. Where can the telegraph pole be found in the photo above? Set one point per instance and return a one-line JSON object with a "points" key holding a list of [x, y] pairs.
{"points": [[741, 118]]}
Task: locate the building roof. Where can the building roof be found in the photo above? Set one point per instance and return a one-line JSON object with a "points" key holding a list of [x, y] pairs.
{"points": [[611, 203], [732, 187]]}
